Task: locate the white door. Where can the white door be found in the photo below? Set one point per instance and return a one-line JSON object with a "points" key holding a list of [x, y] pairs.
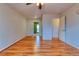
{"points": [[62, 28]]}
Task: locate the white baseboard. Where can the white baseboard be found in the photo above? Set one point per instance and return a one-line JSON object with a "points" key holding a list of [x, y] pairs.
{"points": [[12, 43], [69, 44]]}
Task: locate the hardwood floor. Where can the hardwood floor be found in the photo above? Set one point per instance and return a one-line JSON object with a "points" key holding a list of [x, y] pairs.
{"points": [[30, 46]]}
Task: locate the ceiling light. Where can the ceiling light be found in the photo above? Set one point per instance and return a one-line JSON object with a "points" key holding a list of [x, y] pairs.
{"points": [[39, 5]]}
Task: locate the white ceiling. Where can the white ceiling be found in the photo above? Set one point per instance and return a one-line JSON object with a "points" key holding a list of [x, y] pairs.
{"points": [[32, 10]]}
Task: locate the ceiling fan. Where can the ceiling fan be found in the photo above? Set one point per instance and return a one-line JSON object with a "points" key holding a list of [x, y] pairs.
{"points": [[39, 5]]}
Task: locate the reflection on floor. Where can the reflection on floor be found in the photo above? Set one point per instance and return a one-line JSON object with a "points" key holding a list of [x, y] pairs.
{"points": [[30, 46]]}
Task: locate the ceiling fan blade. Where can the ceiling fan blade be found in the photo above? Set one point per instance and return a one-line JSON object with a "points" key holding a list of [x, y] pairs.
{"points": [[28, 3]]}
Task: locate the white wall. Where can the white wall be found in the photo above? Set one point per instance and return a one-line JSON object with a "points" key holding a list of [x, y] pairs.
{"points": [[30, 27], [55, 23], [48, 30], [12, 26], [72, 26]]}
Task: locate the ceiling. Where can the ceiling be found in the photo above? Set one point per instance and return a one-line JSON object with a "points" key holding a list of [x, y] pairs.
{"points": [[32, 10]]}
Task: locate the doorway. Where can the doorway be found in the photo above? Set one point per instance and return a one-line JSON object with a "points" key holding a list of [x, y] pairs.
{"points": [[62, 29], [36, 28]]}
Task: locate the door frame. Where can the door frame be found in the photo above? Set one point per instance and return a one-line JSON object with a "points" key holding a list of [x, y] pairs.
{"points": [[62, 30]]}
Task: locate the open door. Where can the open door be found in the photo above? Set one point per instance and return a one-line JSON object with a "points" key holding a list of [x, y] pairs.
{"points": [[62, 28], [36, 27]]}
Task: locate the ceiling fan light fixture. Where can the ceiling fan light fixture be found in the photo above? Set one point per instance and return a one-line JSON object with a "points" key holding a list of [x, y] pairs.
{"points": [[39, 5]]}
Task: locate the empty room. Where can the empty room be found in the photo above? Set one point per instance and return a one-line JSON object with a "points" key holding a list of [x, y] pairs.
{"points": [[39, 29]]}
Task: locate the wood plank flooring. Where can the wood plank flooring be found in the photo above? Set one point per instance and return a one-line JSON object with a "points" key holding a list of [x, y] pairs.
{"points": [[30, 46]]}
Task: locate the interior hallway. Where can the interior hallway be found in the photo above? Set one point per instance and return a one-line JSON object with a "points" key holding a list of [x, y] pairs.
{"points": [[17, 20], [30, 46]]}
